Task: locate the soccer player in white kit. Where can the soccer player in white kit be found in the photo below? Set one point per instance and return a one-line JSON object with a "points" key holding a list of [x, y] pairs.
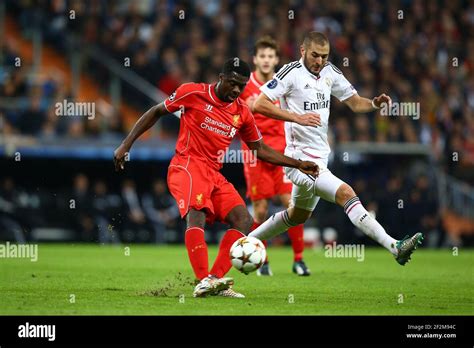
{"points": [[304, 89]]}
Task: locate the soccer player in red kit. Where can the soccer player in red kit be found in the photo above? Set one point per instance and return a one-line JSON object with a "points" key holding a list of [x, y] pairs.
{"points": [[265, 180], [211, 115]]}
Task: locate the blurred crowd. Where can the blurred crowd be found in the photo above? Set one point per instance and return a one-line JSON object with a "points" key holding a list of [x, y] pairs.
{"points": [[28, 104], [96, 211], [416, 51], [91, 210]]}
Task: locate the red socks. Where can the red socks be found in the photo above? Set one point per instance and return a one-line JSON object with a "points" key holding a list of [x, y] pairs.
{"points": [[197, 251], [254, 225], [222, 264], [297, 241]]}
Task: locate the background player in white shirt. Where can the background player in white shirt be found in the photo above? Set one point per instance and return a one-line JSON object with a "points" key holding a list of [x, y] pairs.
{"points": [[304, 88]]}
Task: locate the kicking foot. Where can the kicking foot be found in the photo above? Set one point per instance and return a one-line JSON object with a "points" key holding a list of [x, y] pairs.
{"points": [[407, 246], [211, 285]]}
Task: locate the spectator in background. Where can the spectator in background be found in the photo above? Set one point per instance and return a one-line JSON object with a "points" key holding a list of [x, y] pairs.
{"points": [[133, 211], [161, 210], [32, 119], [392, 203], [10, 226], [105, 207], [429, 217], [81, 209]]}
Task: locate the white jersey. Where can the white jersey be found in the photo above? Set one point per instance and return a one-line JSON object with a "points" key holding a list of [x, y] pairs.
{"points": [[301, 92]]}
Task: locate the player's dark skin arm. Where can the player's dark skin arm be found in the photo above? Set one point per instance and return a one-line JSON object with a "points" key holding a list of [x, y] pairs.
{"points": [[267, 154], [145, 122]]}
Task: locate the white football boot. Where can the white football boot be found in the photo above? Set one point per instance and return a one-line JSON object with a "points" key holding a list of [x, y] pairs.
{"points": [[230, 293], [211, 285]]}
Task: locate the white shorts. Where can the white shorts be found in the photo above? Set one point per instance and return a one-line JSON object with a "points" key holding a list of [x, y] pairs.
{"points": [[307, 190]]}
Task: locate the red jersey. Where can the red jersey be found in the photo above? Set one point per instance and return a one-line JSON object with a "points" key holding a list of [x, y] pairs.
{"points": [[273, 131], [208, 124]]}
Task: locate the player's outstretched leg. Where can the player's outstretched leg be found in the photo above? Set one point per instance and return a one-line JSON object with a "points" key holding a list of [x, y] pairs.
{"points": [[280, 222], [260, 210], [198, 256], [240, 220], [360, 217], [222, 265]]}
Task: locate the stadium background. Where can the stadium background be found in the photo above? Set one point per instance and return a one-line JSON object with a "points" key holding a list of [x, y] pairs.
{"points": [[57, 181]]}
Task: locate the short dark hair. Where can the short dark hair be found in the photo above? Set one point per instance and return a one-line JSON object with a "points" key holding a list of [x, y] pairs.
{"points": [[266, 42], [316, 37], [236, 65]]}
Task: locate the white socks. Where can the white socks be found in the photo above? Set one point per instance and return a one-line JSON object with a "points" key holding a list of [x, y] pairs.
{"points": [[361, 218], [275, 225]]}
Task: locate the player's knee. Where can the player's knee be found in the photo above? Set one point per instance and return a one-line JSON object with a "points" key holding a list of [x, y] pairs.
{"points": [[243, 223], [240, 219], [260, 210], [298, 216], [343, 194], [195, 218]]}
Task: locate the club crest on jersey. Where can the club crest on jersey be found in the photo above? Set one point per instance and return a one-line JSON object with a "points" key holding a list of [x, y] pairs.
{"points": [[199, 198], [254, 189], [235, 120], [328, 81], [171, 97], [272, 84]]}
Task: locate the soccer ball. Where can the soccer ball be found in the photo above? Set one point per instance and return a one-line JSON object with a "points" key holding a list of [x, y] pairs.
{"points": [[247, 254]]}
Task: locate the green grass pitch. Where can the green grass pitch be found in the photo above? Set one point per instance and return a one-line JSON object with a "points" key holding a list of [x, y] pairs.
{"points": [[101, 280]]}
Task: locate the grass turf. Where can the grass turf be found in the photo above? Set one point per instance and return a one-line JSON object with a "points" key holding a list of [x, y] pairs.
{"points": [[153, 280]]}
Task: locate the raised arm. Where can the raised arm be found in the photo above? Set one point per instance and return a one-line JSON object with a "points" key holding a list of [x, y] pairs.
{"points": [[145, 122], [360, 104], [265, 106], [267, 154]]}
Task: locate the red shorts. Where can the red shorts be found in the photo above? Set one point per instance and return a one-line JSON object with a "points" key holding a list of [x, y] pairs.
{"points": [[265, 180], [195, 184]]}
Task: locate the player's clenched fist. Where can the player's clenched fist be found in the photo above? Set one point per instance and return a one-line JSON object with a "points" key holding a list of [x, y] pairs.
{"points": [[310, 168], [382, 99], [119, 157]]}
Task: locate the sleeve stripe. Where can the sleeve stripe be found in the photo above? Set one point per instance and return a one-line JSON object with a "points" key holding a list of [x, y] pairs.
{"points": [[334, 67], [283, 70], [287, 69], [286, 73]]}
